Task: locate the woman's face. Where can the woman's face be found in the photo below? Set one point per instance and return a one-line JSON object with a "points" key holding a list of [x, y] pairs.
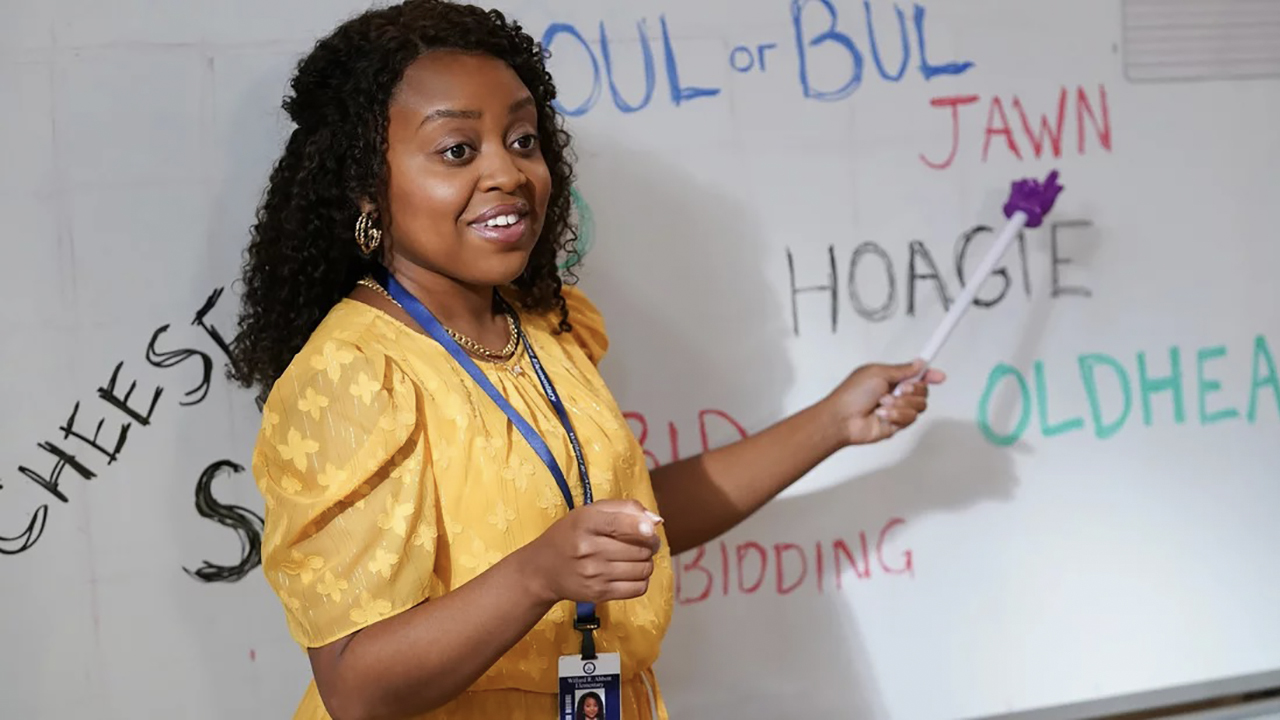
{"points": [[468, 187], [590, 707]]}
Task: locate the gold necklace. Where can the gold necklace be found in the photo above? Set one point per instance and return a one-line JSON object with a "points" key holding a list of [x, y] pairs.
{"points": [[472, 346]]}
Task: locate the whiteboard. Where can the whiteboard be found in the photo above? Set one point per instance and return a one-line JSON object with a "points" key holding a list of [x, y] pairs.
{"points": [[776, 193]]}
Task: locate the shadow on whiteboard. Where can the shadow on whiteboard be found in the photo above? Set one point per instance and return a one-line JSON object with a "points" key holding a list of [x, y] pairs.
{"points": [[949, 467], [680, 270], [799, 643]]}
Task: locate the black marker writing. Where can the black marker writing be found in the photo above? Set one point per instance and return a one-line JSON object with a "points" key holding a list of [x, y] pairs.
{"points": [[118, 392], [871, 261], [886, 308], [25, 539], [69, 431], [829, 287], [246, 523], [918, 250], [962, 251], [202, 313], [177, 357], [62, 459], [108, 393], [1058, 261]]}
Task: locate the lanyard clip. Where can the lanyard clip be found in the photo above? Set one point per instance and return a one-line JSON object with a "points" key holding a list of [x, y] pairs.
{"points": [[587, 623]]}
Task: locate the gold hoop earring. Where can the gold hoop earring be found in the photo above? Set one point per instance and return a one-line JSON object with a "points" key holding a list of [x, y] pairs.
{"points": [[368, 237]]}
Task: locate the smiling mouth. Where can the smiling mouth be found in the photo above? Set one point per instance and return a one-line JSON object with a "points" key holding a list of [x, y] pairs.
{"points": [[502, 220], [508, 228]]}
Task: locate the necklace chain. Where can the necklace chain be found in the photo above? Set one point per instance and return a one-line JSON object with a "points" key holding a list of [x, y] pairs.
{"points": [[471, 345]]}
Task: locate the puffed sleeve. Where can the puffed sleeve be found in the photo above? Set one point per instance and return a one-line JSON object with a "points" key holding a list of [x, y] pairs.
{"points": [[588, 324], [342, 464]]}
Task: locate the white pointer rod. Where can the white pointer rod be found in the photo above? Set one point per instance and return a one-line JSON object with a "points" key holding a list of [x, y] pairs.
{"points": [[962, 303], [1029, 201]]}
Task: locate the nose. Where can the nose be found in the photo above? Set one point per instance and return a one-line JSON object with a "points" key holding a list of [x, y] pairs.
{"points": [[502, 172]]}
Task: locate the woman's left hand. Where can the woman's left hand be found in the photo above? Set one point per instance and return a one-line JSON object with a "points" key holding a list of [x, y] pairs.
{"points": [[867, 408]]}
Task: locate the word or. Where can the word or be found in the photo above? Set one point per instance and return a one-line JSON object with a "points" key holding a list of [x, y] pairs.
{"points": [[921, 267], [818, 37], [1045, 138], [68, 451], [1167, 377], [707, 419], [781, 568]]}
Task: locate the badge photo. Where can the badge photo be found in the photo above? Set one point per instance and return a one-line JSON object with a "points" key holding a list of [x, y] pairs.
{"points": [[590, 689]]}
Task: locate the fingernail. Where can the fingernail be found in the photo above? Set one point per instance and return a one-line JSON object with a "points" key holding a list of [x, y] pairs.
{"points": [[882, 412], [886, 400], [654, 517], [646, 528]]}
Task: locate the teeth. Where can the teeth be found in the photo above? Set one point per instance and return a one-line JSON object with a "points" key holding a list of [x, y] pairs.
{"points": [[503, 220]]}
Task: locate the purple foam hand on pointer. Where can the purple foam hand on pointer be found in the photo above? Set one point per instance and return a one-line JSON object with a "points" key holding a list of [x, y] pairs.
{"points": [[1033, 198]]}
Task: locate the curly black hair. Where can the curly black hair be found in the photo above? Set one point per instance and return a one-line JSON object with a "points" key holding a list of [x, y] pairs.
{"points": [[302, 257]]}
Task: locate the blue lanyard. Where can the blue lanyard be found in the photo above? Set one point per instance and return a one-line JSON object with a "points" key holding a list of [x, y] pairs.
{"points": [[586, 621]]}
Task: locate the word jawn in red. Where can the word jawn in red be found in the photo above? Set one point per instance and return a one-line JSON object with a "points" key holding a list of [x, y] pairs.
{"points": [[746, 568], [1043, 132]]}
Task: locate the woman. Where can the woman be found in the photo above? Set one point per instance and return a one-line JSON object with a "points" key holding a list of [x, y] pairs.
{"points": [[590, 707], [425, 552]]}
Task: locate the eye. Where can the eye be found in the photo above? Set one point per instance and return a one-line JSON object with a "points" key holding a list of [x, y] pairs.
{"points": [[456, 152], [526, 142]]}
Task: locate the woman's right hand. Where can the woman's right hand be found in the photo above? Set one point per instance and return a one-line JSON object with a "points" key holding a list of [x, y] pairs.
{"points": [[598, 552]]}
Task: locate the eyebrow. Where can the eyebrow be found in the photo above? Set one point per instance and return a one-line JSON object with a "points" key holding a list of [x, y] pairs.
{"points": [[451, 114], [521, 104]]}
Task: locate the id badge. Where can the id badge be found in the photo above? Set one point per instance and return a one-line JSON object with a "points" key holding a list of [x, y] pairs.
{"points": [[591, 689]]}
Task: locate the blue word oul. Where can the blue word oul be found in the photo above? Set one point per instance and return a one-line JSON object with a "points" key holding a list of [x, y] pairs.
{"points": [[1200, 386], [679, 93], [818, 37]]}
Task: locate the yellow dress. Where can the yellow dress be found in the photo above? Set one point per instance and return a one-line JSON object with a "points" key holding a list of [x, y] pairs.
{"points": [[389, 478]]}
